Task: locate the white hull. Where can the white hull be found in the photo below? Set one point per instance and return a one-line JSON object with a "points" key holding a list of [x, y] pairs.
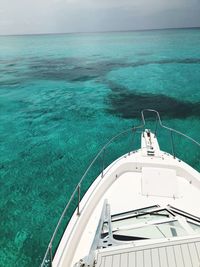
{"points": [[141, 211], [134, 181]]}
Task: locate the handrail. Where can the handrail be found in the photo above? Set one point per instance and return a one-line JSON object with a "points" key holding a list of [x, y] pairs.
{"points": [[78, 187], [165, 127]]}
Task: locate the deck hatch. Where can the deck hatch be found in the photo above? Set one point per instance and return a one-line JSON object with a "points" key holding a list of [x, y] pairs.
{"points": [[159, 182]]}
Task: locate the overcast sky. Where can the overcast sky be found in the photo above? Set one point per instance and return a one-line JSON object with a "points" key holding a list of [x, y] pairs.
{"points": [[55, 16]]}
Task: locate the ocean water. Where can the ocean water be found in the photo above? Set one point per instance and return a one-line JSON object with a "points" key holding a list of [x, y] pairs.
{"points": [[62, 97]]}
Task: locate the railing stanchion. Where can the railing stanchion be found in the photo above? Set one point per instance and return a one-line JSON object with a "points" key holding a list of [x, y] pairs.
{"points": [[79, 198], [51, 255], [155, 132], [172, 143], [132, 139], [103, 163]]}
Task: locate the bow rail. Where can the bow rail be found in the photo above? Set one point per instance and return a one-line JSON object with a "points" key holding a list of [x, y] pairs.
{"points": [[48, 257]]}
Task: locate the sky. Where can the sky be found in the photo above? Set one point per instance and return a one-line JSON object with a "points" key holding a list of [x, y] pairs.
{"points": [[62, 16]]}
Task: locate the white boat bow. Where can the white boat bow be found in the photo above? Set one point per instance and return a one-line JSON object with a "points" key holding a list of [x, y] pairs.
{"points": [[142, 210]]}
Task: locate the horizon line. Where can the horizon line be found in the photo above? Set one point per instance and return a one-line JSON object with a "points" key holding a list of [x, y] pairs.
{"points": [[103, 31]]}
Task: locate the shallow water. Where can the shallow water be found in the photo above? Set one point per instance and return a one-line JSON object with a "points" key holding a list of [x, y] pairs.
{"points": [[62, 97]]}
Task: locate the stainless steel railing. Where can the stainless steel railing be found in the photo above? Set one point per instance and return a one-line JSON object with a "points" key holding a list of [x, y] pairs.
{"points": [[46, 261], [171, 131], [48, 257]]}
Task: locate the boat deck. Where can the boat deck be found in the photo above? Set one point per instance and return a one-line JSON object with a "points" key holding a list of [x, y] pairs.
{"points": [[127, 185], [141, 211], [169, 254]]}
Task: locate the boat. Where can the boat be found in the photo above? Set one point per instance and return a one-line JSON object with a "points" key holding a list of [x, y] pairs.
{"points": [[142, 210]]}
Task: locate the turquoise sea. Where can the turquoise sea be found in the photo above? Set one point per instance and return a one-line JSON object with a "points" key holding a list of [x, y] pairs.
{"points": [[62, 97]]}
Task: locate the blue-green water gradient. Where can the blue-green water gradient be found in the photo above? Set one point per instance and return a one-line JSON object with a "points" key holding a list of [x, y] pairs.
{"points": [[62, 97]]}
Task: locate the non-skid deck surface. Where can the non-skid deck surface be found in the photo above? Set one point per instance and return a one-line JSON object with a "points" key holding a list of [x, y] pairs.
{"points": [[182, 253]]}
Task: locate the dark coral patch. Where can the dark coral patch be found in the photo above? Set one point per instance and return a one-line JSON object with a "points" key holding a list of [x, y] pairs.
{"points": [[127, 104]]}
